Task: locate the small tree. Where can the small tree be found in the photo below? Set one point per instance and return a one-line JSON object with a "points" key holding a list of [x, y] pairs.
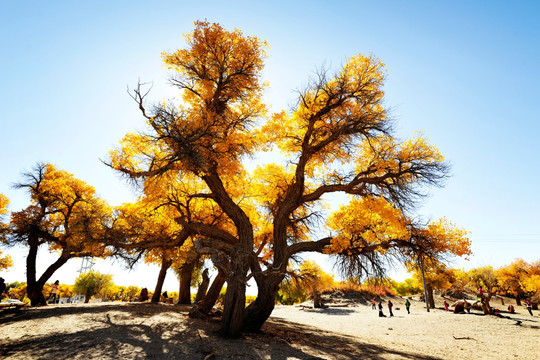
{"points": [[408, 286], [511, 278], [64, 215], [16, 290], [308, 281], [532, 283], [92, 283], [5, 261], [485, 278], [437, 276]]}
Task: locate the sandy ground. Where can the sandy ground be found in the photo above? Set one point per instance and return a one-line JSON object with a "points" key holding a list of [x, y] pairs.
{"points": [[342, 331]]}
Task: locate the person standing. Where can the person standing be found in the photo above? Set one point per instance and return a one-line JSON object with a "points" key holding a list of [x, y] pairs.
{"points": [[390, 305], [529, 307], [373, 304], [446, 306], [381, 314], [407, 306], [54, 291]]}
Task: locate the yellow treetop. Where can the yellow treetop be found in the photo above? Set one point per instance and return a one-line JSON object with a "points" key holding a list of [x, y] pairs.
{"points": [[65, 213]]}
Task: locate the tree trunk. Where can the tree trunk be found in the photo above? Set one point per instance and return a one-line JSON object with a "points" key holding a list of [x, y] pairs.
{"points": [[234, 306], [34, 288], [317, 300], [203, 286], [165, 264], [518, 300], [35, 294], [259, 311], [486, 306], [87, 297], [431, 300], [184, 293], [205, 305]]}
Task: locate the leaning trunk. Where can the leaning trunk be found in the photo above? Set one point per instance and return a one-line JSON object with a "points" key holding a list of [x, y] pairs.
{"points": [[165, 264], [233, 307], [203, 286], [205, 305], [259, 311], [34, 288], [184, 293]]}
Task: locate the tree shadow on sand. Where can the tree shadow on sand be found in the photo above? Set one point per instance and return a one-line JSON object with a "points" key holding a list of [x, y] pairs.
{"points": [[50, 311], [330, 310], [129, 332]]}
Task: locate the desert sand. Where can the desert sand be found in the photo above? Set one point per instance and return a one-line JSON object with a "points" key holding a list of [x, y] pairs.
{"points": [[344, 330]]}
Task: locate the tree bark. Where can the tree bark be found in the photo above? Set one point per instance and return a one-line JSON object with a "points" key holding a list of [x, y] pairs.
{"points": [[205, 305], [34, 288], [259, 311], [203, 286], [165, 264], [431, 300], [87, 297], [317, 300], [184, 293], [234, 305], [235, 298]]}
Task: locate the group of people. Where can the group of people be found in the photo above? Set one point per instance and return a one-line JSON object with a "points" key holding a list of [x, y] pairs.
{"points": [[390, 307], [466, 306]]}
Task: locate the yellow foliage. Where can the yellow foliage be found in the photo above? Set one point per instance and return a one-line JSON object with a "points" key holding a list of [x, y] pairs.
{"points": [[337, 140], [443, 237], [67, 210], [364, 222], [4, 201], [5, 261]]}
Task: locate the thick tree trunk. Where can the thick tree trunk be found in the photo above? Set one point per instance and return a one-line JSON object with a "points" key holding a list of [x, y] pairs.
{"points": [[486, 306], [234, 306], [87, 297], [205, 305], [35, 294], [165, 264], [259, 311], [431, 300], [518, 300], [317, 300], [184, 293], [235, 298], [203, 286], [34, 288]]}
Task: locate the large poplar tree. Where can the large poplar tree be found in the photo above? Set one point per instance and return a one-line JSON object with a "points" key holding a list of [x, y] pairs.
{"points": [[338, 139]]}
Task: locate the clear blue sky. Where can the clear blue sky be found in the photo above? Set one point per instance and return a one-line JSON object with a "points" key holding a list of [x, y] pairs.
{"points": [[466, 73]]}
